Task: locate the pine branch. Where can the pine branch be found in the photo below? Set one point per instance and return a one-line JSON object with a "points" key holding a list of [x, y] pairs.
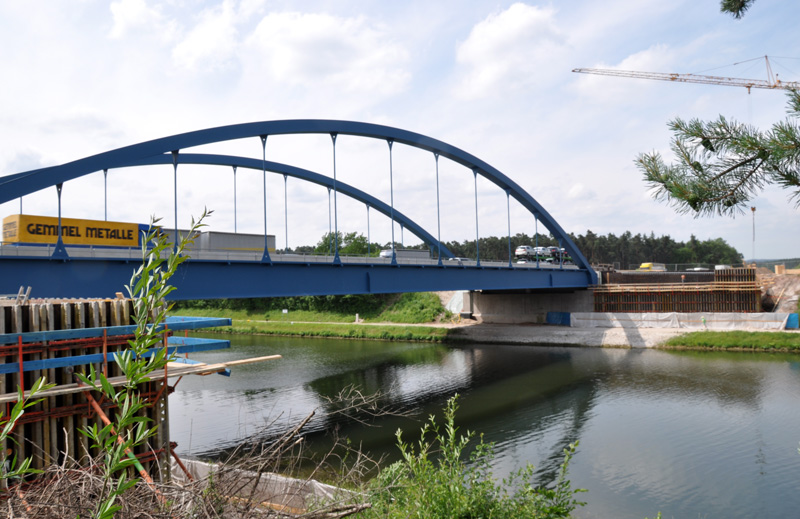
{"points": [[736, 8]]}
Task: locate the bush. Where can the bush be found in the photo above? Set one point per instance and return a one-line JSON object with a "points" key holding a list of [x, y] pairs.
{"points": [[421, 307], [434, 481], [413, 307], [364, 304]]}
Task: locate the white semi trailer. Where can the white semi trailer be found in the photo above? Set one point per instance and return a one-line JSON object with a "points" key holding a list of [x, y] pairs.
{"points": [[406, 253]]}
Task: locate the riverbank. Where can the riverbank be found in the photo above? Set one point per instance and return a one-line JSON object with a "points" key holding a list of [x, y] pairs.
{"points": [[464, 331], [565, 335], [333, 330], [527, 334], [664, 338]]}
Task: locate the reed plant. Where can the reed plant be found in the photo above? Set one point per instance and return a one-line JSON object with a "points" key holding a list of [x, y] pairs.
{"points": [[438, 477], [118, 438]]}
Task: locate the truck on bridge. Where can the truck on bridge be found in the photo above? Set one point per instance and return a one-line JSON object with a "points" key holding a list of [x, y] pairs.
{"points": [[26, 229], [406, 253]]}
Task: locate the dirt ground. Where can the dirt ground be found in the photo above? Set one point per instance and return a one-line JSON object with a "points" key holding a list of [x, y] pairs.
{"points": [[781, 290]]}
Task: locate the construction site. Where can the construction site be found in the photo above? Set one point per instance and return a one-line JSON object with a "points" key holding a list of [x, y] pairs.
{"points": [[743, 290], [726, 290], [55, 340]]}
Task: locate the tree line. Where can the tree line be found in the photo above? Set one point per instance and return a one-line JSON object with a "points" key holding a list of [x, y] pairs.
{"points": [[626, 249]]}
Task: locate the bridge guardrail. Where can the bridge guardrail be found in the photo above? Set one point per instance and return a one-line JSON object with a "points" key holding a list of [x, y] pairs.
{"points": [[135, 253]]}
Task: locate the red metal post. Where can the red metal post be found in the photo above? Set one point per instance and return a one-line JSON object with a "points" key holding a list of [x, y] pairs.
{"points": [[105, 352], [21, 371]]}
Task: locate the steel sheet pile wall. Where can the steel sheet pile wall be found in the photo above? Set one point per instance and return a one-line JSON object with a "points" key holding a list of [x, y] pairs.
{"points": [[48, 432], [631, 277], [733, 290]]}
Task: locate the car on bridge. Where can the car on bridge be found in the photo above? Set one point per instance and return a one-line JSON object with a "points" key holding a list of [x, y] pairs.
{"points": [[524, 250], [459, 260]]}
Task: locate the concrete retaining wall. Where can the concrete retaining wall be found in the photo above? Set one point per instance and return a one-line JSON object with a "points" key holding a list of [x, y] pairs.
{"points": [[524, 308]]}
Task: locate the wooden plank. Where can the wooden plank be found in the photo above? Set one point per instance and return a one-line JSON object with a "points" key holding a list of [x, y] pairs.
{"points": [[16, 326], [66, 316], [173, 370], [80, 315], [94, 315], [33, 317]]}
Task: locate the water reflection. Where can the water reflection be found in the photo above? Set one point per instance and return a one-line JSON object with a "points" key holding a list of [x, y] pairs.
{"points": [[709, 434]]}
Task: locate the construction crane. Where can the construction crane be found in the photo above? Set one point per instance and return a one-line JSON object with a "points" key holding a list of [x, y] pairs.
{"points": [[772, 81]]}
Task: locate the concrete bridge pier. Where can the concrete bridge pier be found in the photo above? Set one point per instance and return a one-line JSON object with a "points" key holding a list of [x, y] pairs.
{"points": [[521, 307]]}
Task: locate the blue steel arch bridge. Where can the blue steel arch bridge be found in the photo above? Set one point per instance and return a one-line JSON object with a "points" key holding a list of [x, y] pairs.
{"points": [[65, 271]]}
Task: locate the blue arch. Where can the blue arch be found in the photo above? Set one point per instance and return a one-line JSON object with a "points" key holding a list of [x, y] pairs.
{"points": [[304, 174], [14, 186]]}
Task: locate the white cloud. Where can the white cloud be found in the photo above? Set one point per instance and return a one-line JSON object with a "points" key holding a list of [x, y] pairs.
{"points": [[657, 58], [490, 78], [579, 191], [509, 50], [133, 15], [23, 160], [351, 54], [212, 43]]}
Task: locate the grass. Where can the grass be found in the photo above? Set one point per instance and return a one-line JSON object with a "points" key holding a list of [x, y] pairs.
{"points": [[737, 341], [346, 331], [307, 316], [266, 317], [418, 307]]}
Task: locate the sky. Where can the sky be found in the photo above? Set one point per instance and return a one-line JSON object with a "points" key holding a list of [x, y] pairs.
{"points": [[493, 78]]}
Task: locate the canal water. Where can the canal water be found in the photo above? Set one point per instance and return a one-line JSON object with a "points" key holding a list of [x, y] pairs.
{"points": [[693, 435]]}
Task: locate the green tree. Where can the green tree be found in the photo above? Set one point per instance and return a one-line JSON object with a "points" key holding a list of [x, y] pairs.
{"points": [[304, 249], [721, 165], [351, 243]]}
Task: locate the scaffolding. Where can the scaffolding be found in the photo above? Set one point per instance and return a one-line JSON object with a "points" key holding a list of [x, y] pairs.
{"points": [[55, 340], [732, 290]]}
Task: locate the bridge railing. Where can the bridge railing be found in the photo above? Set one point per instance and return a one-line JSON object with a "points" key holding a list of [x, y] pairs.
{"points": [[135, 253]]}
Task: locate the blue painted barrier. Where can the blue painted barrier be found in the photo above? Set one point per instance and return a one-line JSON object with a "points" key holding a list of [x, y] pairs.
{"points": [[558, 318], [175, 345], [793, 323], [174, 323]]}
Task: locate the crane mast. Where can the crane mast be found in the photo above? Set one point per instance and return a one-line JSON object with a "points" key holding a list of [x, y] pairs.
{"points": [[696, 78]]}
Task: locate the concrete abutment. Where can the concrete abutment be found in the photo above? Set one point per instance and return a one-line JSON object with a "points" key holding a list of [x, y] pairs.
{"points": [[521, 308]]}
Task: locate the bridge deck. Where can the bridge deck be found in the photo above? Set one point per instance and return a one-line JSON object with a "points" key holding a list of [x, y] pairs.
{"points": [[243, 275]]}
